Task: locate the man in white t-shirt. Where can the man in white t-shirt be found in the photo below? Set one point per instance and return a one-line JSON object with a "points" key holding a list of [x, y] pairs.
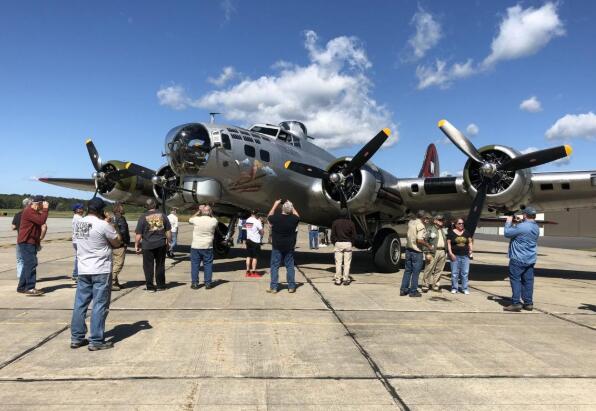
{"points": [[95, 239], [201, 248], [254, 237], [78, 210], [173, 217]]}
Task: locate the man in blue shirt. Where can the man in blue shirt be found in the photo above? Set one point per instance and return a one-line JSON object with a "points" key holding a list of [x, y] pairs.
{"points": [[522, 257]]}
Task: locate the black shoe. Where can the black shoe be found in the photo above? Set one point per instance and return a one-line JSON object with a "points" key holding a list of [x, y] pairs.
{"points": [[513, 308], [347, 282], [528, 307], [194, 286], [101, 346], [208, 286], [150, 289], [79, 344], [291, 290], [402, 293], [416, 294], [162, 288]]}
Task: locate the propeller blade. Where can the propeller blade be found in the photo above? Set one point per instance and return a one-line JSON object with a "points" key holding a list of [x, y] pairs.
{"points": [[307, 170], [94, 155], [460, 141], [367, 151], [476, 209], [138, 170], [537, 158]]}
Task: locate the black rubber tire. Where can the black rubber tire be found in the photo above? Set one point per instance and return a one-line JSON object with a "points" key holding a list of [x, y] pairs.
{"points": [[384, 261], [220, 249]]}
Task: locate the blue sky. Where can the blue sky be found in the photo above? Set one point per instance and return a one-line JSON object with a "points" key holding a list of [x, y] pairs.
{"points": [[124, 73]]}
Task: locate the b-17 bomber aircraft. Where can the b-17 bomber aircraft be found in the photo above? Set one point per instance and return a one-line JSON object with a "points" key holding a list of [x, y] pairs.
{"points": [[238, 169]]}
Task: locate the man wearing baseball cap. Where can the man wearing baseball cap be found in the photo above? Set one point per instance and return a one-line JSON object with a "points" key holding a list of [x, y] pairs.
{"points": [[77, 209], [522, 257], [95, 238]]}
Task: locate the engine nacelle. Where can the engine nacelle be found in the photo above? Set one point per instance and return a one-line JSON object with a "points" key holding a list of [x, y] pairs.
{"points": [[134, 189], [509, 190], [360, 188], [180, 192]]}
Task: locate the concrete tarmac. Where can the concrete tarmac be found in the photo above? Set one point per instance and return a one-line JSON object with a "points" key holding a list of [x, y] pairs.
{"points": [[360, 347]]}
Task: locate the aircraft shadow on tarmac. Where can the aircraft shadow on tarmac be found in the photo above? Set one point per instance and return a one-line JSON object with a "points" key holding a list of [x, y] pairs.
{"points": [[124, 331]]}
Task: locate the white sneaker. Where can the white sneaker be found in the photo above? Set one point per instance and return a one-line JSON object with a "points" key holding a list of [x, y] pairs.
{"points": [[453, 291], [466, 292]]}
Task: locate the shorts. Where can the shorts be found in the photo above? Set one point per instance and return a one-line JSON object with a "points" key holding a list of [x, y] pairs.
{"points": [[253, 249]]}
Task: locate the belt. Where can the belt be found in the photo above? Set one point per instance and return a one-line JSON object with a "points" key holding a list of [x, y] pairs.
{"points": [[440, 248], [414, 251]]}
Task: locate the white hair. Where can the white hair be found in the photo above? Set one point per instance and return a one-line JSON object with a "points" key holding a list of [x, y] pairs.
{"points": [[26, 201], [287, 207]]}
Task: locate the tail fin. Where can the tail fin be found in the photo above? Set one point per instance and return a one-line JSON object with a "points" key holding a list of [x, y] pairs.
{"points": [[430, 166]]}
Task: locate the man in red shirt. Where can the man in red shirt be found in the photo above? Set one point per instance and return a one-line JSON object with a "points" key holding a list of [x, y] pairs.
{"points": [[30, 232]]}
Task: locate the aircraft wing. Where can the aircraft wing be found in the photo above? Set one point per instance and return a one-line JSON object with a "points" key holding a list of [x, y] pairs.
{"points": [[83, 184]]}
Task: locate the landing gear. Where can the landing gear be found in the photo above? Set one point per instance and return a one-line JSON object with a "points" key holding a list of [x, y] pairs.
{"points": [[386, 251], [221, 240]]}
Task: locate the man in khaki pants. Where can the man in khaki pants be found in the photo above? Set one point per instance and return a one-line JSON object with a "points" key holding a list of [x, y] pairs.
{"points": [[343, 234], [436, 256], [119, 253]]}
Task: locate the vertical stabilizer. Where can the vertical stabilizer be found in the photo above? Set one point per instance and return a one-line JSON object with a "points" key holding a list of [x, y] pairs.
{"points": [[430, 166]]}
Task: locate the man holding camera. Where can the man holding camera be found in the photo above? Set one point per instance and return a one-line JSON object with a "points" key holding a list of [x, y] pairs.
{"points": [[32, 221], [283, 229]]}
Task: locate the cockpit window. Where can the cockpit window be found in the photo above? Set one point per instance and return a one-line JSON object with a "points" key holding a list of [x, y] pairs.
{"points": [[265, 130]]}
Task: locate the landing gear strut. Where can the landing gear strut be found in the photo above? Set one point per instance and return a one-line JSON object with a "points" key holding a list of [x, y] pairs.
{"points": [[224, 238]]}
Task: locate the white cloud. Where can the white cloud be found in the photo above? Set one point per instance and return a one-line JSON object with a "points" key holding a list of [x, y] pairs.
{"points": [[531, 105], [472, 130], [228, 8], [227, 74], [442, 76], [524, 32], [174, 97], [428, 33], [331, 95], [573, 126]]}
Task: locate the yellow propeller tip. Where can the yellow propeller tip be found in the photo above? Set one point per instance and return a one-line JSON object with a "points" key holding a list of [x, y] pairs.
{"points": [[127, 165], [568, 149], [87, 141], [287, 164], [387, 131], [441, 123]]}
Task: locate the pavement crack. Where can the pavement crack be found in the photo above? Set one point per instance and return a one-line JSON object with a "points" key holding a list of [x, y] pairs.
{"points": [[399, 402]]}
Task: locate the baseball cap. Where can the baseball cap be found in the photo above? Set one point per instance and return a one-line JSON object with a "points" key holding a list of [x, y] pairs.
{"points": [[96, 204], [38, 199], [77, 206], [531, 211]]}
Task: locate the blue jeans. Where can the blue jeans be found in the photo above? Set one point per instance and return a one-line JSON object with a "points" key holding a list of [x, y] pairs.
{"points": [[174, 241], [75, 270], [414, 264], [313, 239], [521, 277], [29, 271], [196, 256], [19, 262], [460, 268], [288, 258], [94, 288]]}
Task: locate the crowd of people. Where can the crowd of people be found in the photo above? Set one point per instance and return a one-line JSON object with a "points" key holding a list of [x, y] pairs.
{"points": [[100, 240]]}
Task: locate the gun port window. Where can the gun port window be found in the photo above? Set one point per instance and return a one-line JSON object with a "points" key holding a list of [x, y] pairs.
{"points": [[249, 151], [225, 141], [265, 155]]}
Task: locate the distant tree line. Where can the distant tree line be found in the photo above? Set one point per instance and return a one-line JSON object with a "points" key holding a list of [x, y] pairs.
{"points": [[15, 201]]}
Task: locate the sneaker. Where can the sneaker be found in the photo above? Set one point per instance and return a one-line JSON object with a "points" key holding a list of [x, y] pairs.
{"points": [[347, 282], [466, 292], [208, 286], [528, 307], [513, 308], [436, 289], [161, 288], [79, 344], [402, 293], [291, 290], [416, 294], [453, 291], [115, 287], [194, 286], [424, 288], [337, 282], [271, 290], [256, 274], [248, 274], [150, 289], [34, 292], [20, 291], [101, 346]]}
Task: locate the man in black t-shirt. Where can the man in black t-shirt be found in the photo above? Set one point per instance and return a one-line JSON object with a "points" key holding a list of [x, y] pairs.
{"points": [[153, 234], [283, 230]]}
